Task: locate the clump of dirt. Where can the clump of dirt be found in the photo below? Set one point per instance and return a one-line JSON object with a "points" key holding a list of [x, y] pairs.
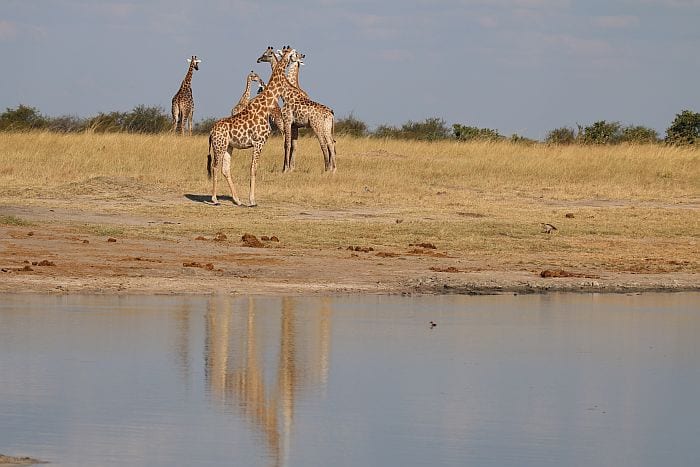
{"points": [[364, 249], [112, 240], [563, 273], [386, 254], [43, 262], [420, 251], [194, 264], [474, 215], [273, 238], [447, 269], [251, 241], [220, 237], [427, 245], [569, 215]]}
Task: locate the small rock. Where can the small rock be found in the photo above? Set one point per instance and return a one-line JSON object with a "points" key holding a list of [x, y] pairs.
{"points": [[569, 215], [112, 240]]}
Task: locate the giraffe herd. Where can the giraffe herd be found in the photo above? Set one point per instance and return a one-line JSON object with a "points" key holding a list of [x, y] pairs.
{"points": [[248, 126]]}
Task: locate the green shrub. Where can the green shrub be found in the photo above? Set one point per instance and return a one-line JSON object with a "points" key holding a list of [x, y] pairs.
{"points": [[204, 126], [144, 119], [685, 129], [351, 126], [600, 132], [22, 118], [563, 135], [639, 135], [471, 133]]}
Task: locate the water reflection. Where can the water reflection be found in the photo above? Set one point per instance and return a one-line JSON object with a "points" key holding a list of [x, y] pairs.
{"points": [[264, 390], [552, 380]]}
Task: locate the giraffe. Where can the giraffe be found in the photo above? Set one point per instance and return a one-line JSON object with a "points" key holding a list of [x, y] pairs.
{"points": [[183, 102], [247, 129], [245, 98], [298, 112]]}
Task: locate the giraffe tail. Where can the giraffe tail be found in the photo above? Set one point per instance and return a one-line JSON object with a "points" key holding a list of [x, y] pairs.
{"points": [[209, 172]]}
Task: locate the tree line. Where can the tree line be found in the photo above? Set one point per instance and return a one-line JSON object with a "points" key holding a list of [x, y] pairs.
{"points": [[683, 130]]}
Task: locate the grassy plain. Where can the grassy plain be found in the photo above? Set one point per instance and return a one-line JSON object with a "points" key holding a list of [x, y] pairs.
{"points": [[631, 209]]}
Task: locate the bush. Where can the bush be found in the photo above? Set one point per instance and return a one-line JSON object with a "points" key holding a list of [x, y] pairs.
{"points": [[430, 129], [107, 122], [22, 118], [203, 127], [601, 132], [639, 135], [141, 119], [685, 129], [66, 124], [350, 126], [471, 133], [386, 131], [563, 135], [144, 119], [517, 139]]}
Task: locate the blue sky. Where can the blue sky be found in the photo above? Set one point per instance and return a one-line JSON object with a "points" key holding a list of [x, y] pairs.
{"points": [[519, 66]]}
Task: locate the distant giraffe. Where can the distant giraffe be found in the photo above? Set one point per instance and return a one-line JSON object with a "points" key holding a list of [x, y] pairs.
{"points": [[249, 128], [183, 102], [298, 112], [245, 98]]}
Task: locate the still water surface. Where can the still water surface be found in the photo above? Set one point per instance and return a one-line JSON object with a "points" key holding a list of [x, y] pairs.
{"points": [[547, 380]]}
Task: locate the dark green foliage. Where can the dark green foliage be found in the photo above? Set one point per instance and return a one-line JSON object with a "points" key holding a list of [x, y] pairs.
{"points": [[66, 124], [638, 134], [563, 135], [107, 122], [685, 129], [517, 139], [600, 132], [430, 129], [350, 126], [144, 119], [141, 119], [471, 133], [22, 118], [386, 131], [203, 127]]}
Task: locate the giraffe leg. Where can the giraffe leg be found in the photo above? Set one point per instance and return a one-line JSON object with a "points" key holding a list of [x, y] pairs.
{"points": [[175, 112], [257, 149], [330, 143], [226, 171], [287, 130], [191, 118], [320, 135], [293, 147]]}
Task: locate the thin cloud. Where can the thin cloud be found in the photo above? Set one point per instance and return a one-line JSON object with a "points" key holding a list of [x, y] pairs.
{"points": [[8, 30], [616, 22]]}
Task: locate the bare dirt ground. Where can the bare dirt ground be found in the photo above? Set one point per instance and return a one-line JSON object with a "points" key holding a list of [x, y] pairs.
{"points": [[52, 253]]}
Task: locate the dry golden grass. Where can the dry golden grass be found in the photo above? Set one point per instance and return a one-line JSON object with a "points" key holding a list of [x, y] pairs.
{"points": [[635, 207]]}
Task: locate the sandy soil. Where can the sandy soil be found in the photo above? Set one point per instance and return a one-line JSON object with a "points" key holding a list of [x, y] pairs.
{"points": [[53, 256], [9, 460]]}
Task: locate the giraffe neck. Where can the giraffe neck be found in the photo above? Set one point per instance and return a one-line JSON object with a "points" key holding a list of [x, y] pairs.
{"points": [[187, 82], [246, 94], [293, 75]]}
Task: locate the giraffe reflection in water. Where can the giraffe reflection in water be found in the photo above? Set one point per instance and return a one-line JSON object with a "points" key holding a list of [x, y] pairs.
{"points": [[259, 368]]}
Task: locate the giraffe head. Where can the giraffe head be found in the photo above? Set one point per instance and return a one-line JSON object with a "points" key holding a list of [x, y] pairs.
{"points": [[194, 62], [268, 56], [253, 76]]}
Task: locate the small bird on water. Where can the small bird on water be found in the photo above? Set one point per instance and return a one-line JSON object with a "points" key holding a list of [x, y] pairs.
{"points": [[432, 324], [547, 228]]}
